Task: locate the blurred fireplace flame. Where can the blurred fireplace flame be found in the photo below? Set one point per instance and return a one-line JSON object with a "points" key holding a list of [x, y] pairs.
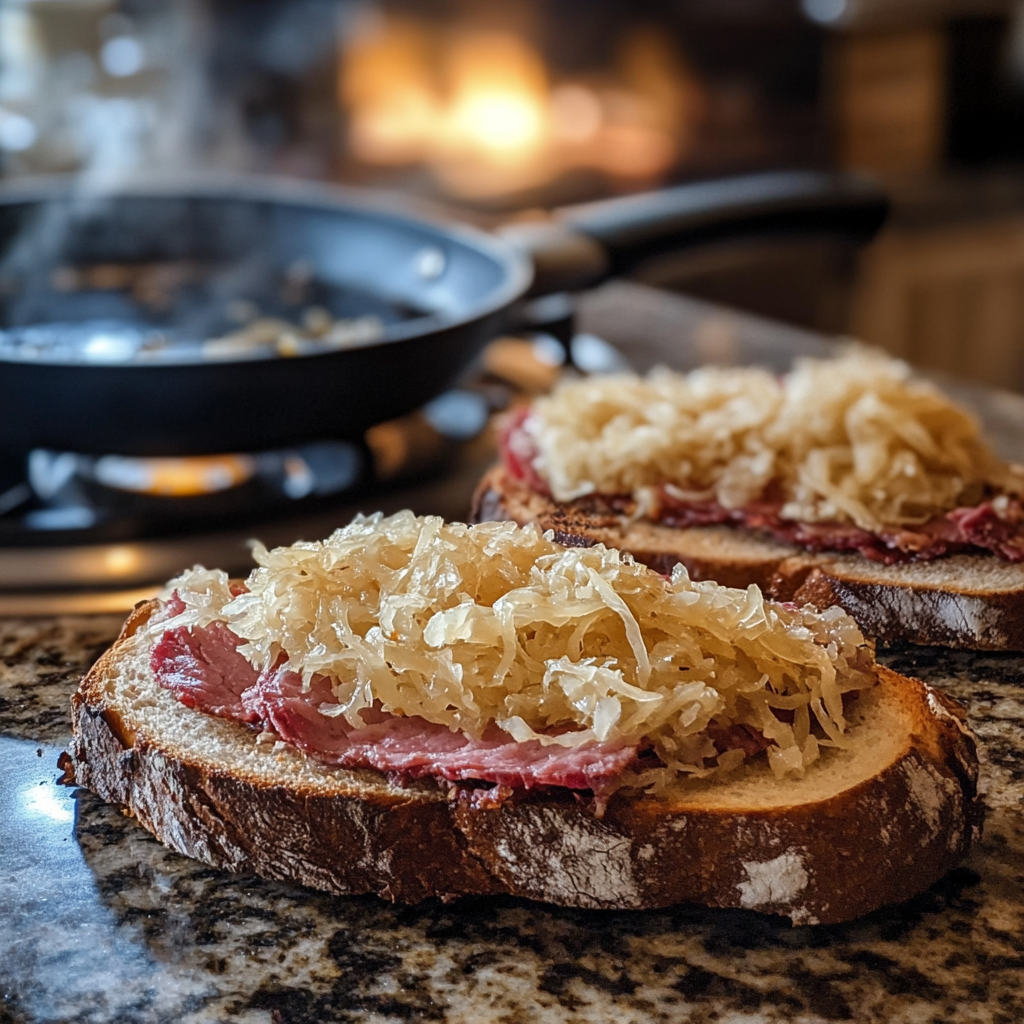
{"points": [[498, 99], [484, 113]]}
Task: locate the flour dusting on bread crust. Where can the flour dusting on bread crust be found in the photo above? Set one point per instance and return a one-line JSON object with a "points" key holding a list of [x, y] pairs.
{"points": [[775, 882], [929, 793], [571, 859]]}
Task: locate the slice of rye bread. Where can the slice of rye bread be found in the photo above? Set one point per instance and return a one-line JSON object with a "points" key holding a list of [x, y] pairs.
{"points": [[863, 828], [965, 601]]}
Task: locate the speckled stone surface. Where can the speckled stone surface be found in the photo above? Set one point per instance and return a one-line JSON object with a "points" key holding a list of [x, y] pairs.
{"points": [[101, 923]]}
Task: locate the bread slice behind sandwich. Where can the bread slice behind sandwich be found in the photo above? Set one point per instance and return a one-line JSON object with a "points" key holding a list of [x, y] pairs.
{"points": [[863, 827], [963, 601]]}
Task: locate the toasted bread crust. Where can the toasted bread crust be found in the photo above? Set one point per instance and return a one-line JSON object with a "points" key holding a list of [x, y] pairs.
{"points": [[873, 842], [894, 611], [952, 612]]}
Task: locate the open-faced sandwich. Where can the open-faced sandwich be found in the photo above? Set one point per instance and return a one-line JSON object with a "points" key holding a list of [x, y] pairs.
{"points": [[845, 482], [418, 709]]}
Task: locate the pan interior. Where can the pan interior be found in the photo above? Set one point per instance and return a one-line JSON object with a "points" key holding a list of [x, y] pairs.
{"points": [[136, 278]]}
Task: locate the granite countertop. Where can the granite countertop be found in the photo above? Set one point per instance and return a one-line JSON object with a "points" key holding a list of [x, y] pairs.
{"points": [[101, 923]]}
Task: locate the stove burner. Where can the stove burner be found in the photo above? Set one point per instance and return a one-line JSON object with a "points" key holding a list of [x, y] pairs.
{"points": [[68, 498], [168, 477], [94, 533]]}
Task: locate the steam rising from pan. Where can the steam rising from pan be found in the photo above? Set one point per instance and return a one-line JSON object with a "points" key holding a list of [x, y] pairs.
{"points": [[95, 278]]}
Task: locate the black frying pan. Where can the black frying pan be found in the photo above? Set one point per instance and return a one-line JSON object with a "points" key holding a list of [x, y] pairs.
{"points": [[442, 292]]}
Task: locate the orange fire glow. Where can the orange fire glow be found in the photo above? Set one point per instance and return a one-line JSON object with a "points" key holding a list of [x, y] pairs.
{"points": [[484, 113]]}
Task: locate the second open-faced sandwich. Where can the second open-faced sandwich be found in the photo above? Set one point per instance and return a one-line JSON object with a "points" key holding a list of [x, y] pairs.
{"points": [[845, 482], [418, 709]]}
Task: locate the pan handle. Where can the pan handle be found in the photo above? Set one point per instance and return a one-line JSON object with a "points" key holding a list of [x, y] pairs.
{"points": [[581, 245]]}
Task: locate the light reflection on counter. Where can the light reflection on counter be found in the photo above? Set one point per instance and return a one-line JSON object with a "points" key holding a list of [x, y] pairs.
{"points": [[62, 942]]}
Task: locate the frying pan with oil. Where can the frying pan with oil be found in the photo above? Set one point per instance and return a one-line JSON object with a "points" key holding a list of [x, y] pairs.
{"points": [[108, 298]]}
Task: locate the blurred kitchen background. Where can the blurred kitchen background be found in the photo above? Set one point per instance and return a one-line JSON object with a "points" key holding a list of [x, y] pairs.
{"points": [[493, 111]]}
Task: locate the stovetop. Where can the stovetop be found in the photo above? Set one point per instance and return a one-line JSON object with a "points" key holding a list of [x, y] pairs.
{"points": [[98, 533], [71, 541]]}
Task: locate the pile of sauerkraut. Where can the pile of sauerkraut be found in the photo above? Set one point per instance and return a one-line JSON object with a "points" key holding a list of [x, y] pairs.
{"points": [[850, 439], [472, 625]]}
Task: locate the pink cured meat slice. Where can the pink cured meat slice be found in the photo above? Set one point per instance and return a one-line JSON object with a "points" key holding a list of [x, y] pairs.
{"points": [[414, 748], [998, 530], [979, 527], [518, 451], [204, 670]]}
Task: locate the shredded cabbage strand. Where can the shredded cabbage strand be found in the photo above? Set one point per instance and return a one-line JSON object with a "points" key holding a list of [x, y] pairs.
{"points": [[851, 439], [472, 625]]}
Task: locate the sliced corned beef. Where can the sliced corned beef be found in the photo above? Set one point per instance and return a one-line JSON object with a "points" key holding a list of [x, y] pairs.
{"points": [[414, 748], [996, 525], [518, 451], [738, 737], [204, 670], [276, 700], [981, 527]]}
